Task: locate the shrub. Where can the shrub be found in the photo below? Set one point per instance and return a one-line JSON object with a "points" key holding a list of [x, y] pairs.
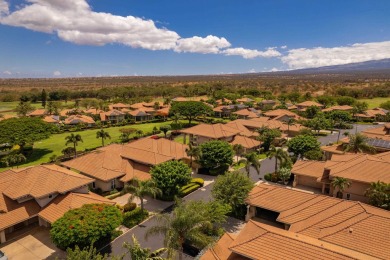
{"points": [[113, 196], [84, 226], [113, 191], [129, 207], [268, 176], [134, 217], [199, 181], [187, 189]]}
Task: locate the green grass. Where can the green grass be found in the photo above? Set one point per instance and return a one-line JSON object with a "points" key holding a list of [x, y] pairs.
{"points": [[6, 106], [374, 102], [238, 166], [179, 139], [44, 149]]}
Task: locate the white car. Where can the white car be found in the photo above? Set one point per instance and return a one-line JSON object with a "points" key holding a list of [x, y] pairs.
{"points": [[3, 256]]}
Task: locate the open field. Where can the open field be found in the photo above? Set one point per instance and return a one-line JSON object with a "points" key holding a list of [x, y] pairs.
{"points": [[374, 102], [43, 150]]}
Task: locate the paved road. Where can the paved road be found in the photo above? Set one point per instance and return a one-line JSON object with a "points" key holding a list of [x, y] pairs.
{"points": [[331, 138]]}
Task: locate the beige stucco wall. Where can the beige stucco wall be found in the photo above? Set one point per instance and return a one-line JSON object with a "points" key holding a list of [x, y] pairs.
{"points": [[356, 191], [307, 181], [45, 200], [106, 186]]}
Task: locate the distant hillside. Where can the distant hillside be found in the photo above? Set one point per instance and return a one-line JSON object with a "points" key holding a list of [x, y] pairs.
{"points": [[359, 66]]}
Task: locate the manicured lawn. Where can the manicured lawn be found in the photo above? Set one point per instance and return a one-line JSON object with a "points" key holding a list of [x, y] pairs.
{"points": [[180, 139], [43, 150], [5, 106], [374, 102]]}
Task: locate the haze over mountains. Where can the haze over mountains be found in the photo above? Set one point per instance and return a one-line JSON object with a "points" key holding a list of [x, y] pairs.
{"points": [[383, 64]]}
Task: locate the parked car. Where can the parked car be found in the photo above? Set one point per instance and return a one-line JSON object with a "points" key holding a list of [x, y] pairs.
{"points": [[3, 256]]}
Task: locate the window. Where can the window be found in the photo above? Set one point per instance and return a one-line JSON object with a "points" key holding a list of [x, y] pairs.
{"points": [[113, 184], [94, 185], [348, 196]]}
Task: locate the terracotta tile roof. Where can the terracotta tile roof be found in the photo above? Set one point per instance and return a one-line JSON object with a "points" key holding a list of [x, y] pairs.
{"points": [[40, 181], [218, 109], [38, 112], [220, 250], [137, 105], [280, 112], [127, 161], [138, 112], [309, 104], [261, 241], [261, 119], [245, 99], [225, 100], [268, 101], [338, 108], [334, 149], [79, 119], [65, 112], [4, 117], [246, 142], [163, 111], [51, 119], [309, 168], [349, 224], [247, 113], [215, 131], [118, 106], [63, 203], [378, 133], [93, 111], [244, 131], [180, 99]]}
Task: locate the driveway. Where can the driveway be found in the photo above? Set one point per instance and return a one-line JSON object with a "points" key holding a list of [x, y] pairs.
{"points": [[35, 244]]}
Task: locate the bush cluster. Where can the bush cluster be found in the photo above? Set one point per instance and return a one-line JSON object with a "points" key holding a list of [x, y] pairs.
{"points": [[187, 189], [134, 217]]}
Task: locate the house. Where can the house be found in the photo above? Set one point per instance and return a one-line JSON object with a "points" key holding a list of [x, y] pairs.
{"points": [[140, 115], [338, 108], [116, 164], [205, 132], [118, 106], [223, 101], [247, 113], [164, 112], [79, 119], [93, 111], [244, 100], [282, 115], [29, 195], [112, 116], [225, 111], [290, 224], [304, 105], [266, 103], [38, 113], [67, 112], [52, 119], [360, 169], [249, 144], [372, 114], [285, 223]]}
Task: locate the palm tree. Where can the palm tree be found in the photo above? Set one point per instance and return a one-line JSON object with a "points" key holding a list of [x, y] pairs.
{"points": [[193, 152], [103, 135], [379, 194], [138, 253], [179, 226], [290, 121], [73, 139], [251, 160], [238, 149], [279, 154], [340, 184], [141, 189], [358, 144]]}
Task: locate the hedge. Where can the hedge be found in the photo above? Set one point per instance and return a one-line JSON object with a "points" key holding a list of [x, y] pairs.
{"points": [[199, 181], [129, 207], [187, 189], [113, 196], [134, 217]]}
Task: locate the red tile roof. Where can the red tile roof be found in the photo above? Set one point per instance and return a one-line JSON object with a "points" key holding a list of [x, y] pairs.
{"points": [[215, 131]]}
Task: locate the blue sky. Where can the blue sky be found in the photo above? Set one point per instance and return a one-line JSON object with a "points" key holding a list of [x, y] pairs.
{"points": [[56, 38]]}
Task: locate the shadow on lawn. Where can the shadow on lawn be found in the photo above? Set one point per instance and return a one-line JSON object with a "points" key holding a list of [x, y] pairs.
{"points": [[36, 156]]}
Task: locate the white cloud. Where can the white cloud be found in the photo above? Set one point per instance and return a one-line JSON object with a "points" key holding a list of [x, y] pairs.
{"points": [[209, 44], [319, 56], [252, 71], [7, 72], [274, 69], [250, 54], [283, 47], [57, 73], [75, 21]]}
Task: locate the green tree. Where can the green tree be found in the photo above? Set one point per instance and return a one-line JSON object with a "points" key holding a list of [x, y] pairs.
{"points": [[137, 252], [85, 226], [43, 97], [233, 188], [303, 143], [13, 159], [125, 134], [268, 136], [22, 131], [193, 152], [192, 222], [340, 184], [280, 155], [170, 177], [319, 122], [190, 109], [73, 139], [23, 108], [284, 174], [316, 155], [140, 189], [216, 156], [290, 122], [251, 160], [165, 129], [87, 253], [139, 133], [238, 150], [358, 144], [103, 135], [379, 194], [312, 111], [385, 105]]}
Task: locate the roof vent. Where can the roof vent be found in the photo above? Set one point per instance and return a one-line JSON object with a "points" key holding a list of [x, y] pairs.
{"points": [[350, 230]]}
